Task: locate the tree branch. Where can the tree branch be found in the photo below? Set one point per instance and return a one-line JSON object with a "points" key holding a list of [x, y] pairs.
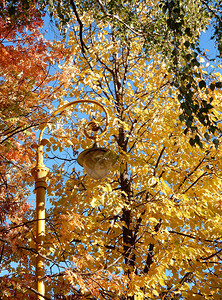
{"points": [[158, 160], [83, 45]]}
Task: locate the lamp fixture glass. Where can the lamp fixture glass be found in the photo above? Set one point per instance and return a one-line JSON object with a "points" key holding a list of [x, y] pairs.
{"points": [[97, 161]]}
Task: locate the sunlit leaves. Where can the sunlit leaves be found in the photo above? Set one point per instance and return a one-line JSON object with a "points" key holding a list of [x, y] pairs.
{"points": [[25, 99], [155, 221], [152, 228]]}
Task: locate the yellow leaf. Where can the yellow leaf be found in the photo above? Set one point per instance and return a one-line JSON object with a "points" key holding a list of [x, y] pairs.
{"points": [[155, 293], [161, 281]]}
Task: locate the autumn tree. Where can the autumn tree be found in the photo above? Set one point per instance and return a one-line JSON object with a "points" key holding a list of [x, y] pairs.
{"points": [[152, 228], [171, 28], [25, 99]]}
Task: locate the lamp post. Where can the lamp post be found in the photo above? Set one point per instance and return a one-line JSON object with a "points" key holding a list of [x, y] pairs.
{"points": [[97, 163]]}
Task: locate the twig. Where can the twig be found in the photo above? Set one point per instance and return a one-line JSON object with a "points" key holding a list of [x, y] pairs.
{"points": [[36, 292], [118, 19]]}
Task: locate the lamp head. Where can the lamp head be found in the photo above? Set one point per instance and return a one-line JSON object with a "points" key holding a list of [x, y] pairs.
{"points": [[96, 161]]}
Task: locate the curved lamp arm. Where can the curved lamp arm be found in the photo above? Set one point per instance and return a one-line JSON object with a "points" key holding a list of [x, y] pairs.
{"points": [[65, 106]]}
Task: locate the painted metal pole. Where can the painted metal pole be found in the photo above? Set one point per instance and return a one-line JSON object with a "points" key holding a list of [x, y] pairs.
{"points": [[39, 172]]}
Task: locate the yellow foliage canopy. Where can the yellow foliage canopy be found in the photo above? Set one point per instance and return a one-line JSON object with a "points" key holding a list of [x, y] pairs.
{"points": [[152, 228]]}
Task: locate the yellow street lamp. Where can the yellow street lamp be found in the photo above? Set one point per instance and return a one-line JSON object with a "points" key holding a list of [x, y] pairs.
{"points": [[96, 162]]}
